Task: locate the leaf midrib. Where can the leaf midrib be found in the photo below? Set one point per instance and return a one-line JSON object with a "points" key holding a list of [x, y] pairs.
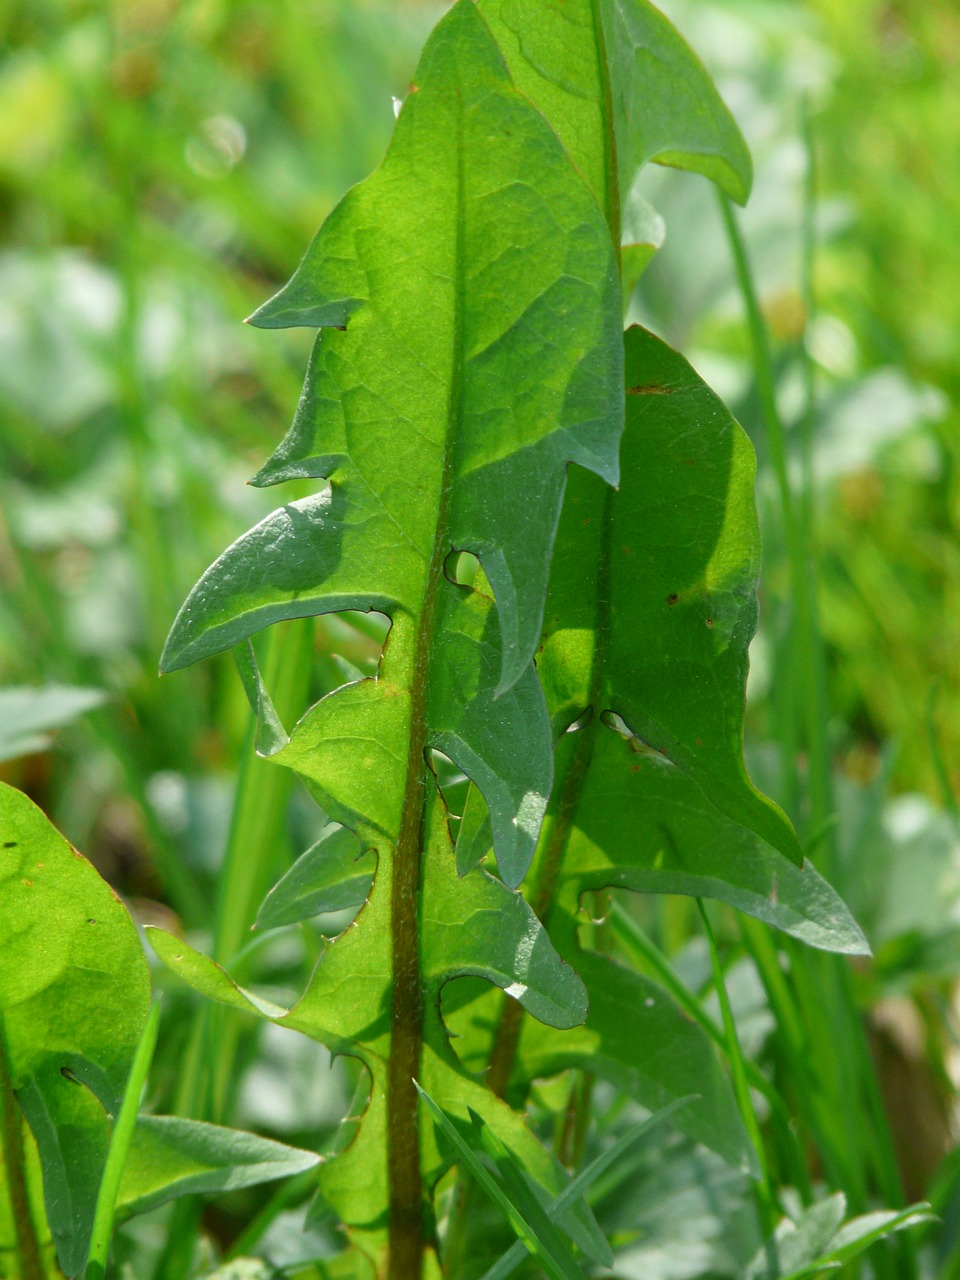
{"points": [[406, 1244]]}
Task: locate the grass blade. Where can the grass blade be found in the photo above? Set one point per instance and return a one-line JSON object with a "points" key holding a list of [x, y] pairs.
{"points": [[581, 1183], [119, 1146]]}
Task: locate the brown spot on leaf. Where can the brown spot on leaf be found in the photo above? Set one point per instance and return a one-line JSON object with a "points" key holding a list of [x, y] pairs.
{"points": [[649, 389], [28, 883], [341, 327], [698, 741], [672, 598], [709, 622]]}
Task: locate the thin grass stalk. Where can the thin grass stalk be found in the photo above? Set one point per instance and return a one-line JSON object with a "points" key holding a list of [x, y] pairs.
{"points": [[765, 1191]]}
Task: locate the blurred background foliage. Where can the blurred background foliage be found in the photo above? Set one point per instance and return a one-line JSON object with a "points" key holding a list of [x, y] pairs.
{"points": [[163, 165]]}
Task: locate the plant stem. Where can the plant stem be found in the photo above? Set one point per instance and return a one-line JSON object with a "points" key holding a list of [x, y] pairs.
{"points": [[29, 1255]]}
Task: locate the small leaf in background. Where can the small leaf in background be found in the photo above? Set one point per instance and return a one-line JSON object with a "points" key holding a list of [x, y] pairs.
{"points": [[74, 995], [28, 716], [820, 1241]]}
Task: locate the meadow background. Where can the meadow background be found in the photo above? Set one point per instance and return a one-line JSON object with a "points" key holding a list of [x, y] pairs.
{"points": [[163, 166]]}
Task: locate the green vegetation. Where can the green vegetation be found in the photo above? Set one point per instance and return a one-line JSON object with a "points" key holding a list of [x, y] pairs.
{"points": [[549, 981]]}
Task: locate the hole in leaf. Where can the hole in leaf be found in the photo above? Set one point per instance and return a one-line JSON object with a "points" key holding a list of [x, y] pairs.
{"points": [[470, 1008], [461, 568], [453, 784]]}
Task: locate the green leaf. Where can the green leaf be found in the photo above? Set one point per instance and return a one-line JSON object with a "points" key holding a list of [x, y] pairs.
{"points": [[643, 234], [170, 1156], [74, 995], [652, 601], [472, 926], [271, 735], [642, 824], [796, 1245], [636, 1037], [666, 107], [327, 877], [621, 88], [859, 1233], [27, 715], [481, 353]]}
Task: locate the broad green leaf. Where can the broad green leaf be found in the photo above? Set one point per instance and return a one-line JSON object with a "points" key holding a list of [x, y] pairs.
{"points": [[621, 88], [329, 876], [27, 715], [666, 107], [481, 353], [650, 613], [469, 295], [643, 825], [471, 926], [171, 1156], [652, 601], [74, 993]]}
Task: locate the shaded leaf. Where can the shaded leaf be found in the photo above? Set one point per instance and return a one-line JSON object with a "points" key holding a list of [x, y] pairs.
{"points": [[820, 1241], [652, 602], [171, 1156], [327, 877], [636, 1037], [582, 1182], [643, 825]]}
